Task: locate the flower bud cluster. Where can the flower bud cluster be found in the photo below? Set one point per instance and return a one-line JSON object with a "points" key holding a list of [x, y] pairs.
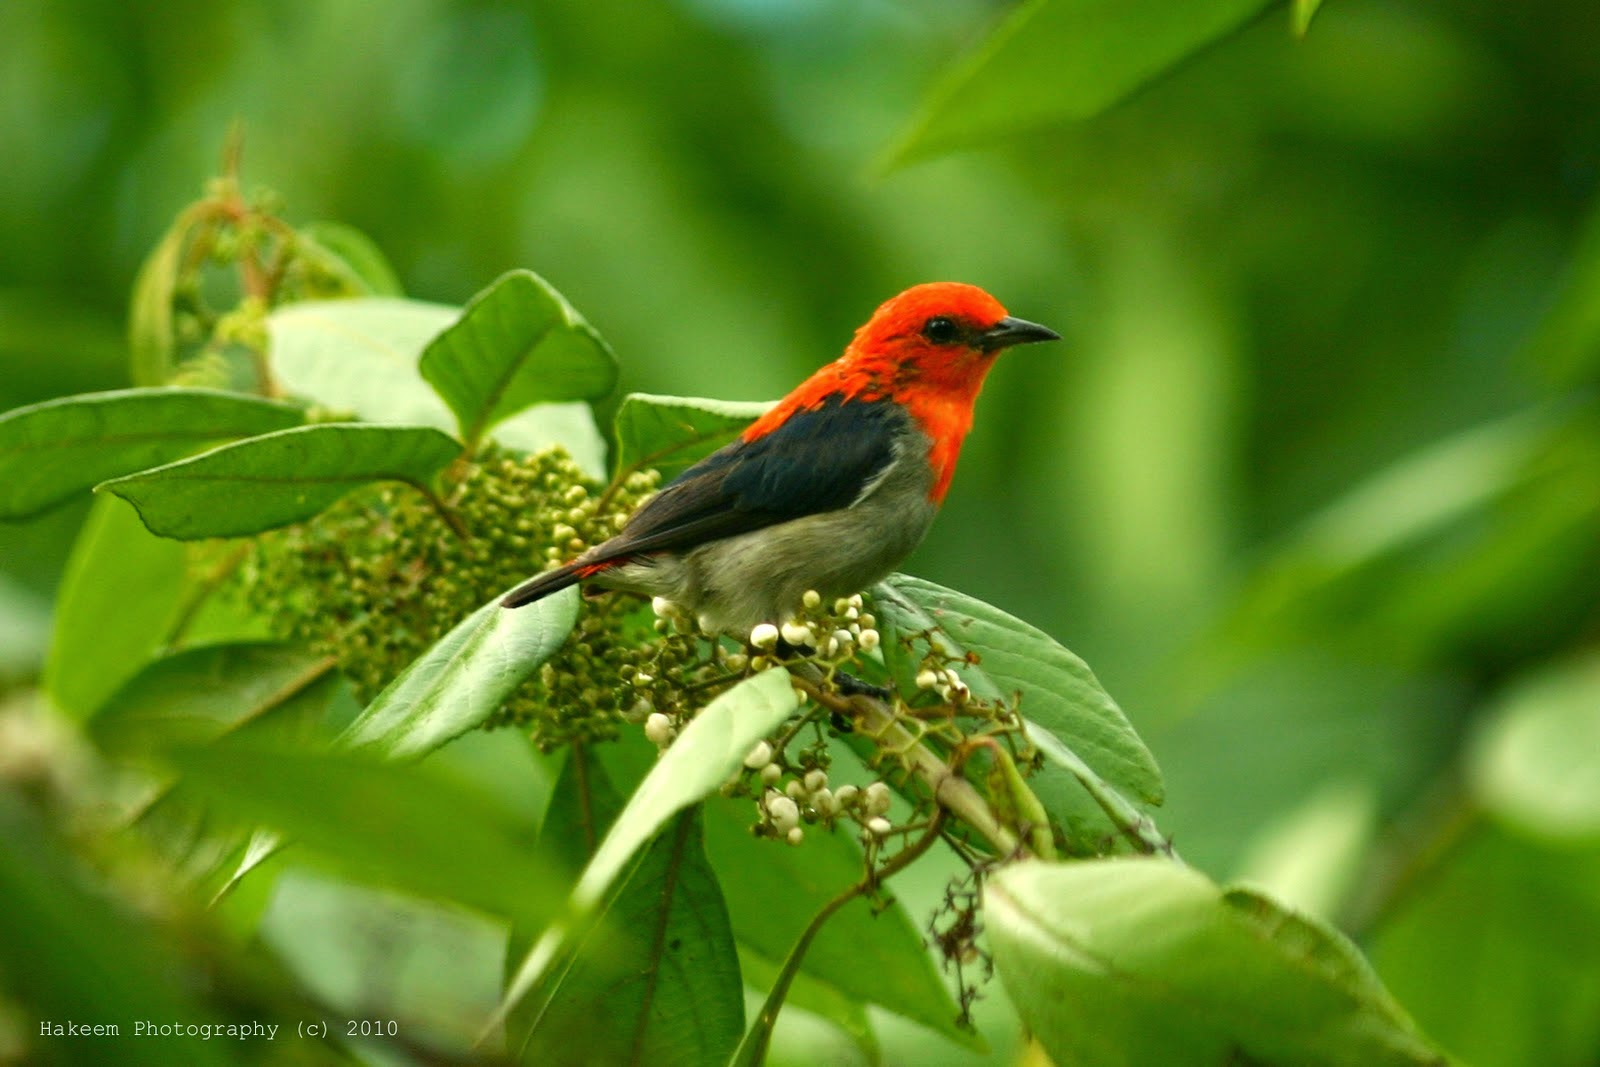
{"points": [[379, 577], [944, 681], [791, 798]]}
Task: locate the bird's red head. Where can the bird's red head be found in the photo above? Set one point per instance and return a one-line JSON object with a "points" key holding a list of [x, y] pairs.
{"points": [[927, 349], [940, 337]]}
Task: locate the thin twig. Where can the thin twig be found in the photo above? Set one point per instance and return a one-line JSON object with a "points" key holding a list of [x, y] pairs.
{"points": [[791, 965]]}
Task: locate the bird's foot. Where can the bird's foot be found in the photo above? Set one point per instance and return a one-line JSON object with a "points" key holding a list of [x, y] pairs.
{"points": [[851, 686]]}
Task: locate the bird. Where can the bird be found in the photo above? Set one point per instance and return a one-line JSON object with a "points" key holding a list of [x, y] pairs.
{"points": [[830, 489]]}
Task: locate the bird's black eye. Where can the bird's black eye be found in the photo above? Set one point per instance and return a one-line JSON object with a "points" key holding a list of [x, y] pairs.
{"points": [[941, 330]]}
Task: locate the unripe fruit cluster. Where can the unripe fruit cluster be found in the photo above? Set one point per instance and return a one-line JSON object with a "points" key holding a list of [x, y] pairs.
{"points": [[379, 577]]}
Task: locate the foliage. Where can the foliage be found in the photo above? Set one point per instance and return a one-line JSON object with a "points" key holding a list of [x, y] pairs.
{"points": [[1314, 490]]}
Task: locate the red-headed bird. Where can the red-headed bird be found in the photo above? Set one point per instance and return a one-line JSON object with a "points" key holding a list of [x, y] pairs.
{"points": [[829, 490]]}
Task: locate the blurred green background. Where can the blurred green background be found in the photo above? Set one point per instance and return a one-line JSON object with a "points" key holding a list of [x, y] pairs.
{"points": [[1314, 482]]}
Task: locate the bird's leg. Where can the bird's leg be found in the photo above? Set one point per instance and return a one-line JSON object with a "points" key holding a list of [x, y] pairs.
{"points": [[850, 685]]}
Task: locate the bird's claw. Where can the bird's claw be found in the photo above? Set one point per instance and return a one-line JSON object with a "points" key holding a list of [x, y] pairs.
{"points": [[850, 686]]}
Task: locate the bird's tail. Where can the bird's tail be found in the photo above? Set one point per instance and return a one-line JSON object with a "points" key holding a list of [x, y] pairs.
{"points": [[541, 586]]}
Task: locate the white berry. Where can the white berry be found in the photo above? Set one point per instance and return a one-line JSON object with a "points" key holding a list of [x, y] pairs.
{"points": [[798, 634], [658, 728], [783, 811]]}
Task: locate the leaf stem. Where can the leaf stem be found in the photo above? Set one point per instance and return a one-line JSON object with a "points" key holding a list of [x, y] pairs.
{"points": [[446, 512]]}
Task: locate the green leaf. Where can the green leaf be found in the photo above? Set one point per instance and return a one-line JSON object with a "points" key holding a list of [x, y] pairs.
{"points": [[872, 955], [518, 343], [199, 694], [670, 433], [1071, 718], [386, 824], [120, 596], [660, 964], [1059, 691], [1135, 961], [1533, 764], [281, 696], [464, 678], [353, 256], [1053, 61], [52, 451], [708, 751], [362, 356], [279, 478], [151, 338]]}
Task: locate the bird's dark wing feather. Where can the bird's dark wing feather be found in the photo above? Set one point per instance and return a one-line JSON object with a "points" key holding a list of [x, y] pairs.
{"points": [[816, 461]]}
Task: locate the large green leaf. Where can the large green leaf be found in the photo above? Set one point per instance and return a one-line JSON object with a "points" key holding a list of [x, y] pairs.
{"points": [[1141, 960], [518, 343], [464, 677], [1061, 60], [1533, 764], [669, 433], [362, 356], [279, 478], [659, 965], [199, 694], [52, 451], [390, 824], [265, 691], [708, 751], [120, 596]]}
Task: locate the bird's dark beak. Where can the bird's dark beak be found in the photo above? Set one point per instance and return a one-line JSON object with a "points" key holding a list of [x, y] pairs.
{"points": [[1013, 331]]}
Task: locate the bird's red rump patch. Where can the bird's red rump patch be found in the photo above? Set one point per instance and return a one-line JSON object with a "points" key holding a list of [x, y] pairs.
{"points": [[589, 570]]}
